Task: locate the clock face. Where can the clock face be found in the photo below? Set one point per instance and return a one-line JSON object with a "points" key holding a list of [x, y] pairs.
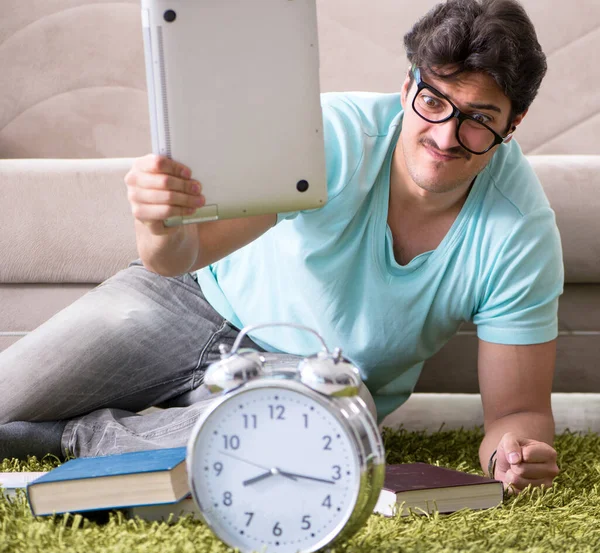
{"points": [[274, 470]]}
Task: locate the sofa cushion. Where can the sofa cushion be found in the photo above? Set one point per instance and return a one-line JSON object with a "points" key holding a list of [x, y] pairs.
{"points": [[572, 184], [64, 220], [82, 230]]}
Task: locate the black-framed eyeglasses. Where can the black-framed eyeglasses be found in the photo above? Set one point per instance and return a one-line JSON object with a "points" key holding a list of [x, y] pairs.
{"points": [[472, 134]]}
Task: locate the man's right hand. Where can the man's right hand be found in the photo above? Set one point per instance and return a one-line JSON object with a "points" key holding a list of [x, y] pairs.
{"points": [[158, 188]]}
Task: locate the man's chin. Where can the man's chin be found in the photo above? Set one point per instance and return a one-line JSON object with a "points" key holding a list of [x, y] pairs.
{"points": [[436, 187], [437, 182], [439, 176]]}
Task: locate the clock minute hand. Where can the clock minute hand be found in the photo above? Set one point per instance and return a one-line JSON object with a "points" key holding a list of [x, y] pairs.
{"points": [[295, 475], [265, 475], [243, 460]]}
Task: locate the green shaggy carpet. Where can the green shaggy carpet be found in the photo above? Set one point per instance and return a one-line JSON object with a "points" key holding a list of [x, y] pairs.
{"points": [[565, 518]]}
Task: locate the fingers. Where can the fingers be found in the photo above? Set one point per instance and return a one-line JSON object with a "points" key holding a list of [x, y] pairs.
{"points": [[526, 462], [161, 173], [149, 213], [164, 197], [153, 163], [522, 462], [538, 452], [159, 187], [511, 447], [517, 450], [162, 181], [534, 471], [519, 480]]}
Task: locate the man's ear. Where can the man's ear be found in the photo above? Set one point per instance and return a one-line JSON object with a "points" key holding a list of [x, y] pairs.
{"points": [[406, 87], [516, 122]]}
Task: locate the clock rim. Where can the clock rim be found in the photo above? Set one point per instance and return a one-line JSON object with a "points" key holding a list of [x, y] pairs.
{"points": [[352, 414]]}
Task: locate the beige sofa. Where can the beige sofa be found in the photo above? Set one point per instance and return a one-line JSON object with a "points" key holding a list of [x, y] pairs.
{"points": [[73, 114]]}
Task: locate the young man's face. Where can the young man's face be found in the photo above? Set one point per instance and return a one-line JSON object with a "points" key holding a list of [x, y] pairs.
{"points": [[434, 158]]}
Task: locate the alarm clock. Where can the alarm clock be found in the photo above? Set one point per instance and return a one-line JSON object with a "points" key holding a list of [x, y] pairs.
{"points": [[289, 458]]}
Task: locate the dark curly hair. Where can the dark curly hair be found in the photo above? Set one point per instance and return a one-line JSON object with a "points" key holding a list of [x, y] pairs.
{"points": [[491, 36]]}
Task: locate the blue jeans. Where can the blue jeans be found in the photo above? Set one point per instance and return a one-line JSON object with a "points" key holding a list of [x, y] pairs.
{"points": [[135, 341]]}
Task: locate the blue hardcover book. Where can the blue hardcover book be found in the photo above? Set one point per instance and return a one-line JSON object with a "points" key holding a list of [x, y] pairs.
{"points": [[132, 479]]}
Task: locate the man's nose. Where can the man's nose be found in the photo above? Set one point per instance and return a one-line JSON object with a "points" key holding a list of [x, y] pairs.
{"points": [[444, 134]]}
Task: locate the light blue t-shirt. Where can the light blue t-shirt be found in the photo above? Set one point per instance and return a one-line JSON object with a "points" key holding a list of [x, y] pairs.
{"points": [[333, 268]]}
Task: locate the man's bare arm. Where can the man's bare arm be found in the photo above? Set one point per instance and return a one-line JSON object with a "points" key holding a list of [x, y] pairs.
{"points": [[195, 246], [218, 239], [516, 385]]}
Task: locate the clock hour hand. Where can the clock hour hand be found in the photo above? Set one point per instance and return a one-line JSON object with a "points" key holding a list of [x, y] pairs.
{"points": [[264, 475], [259, 477]]}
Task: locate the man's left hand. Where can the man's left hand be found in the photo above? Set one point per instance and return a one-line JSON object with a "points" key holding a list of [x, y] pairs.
{"points": [[521, 461]]}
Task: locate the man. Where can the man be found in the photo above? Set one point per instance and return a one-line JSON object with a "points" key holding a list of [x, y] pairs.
{"points": [[434, 218]]}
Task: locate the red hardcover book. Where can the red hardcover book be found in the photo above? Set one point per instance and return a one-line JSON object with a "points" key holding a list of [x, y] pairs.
{"points": [[425, 488]]}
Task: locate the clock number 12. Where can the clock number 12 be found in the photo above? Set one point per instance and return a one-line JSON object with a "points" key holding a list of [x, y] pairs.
{"points": [[276, 412]]}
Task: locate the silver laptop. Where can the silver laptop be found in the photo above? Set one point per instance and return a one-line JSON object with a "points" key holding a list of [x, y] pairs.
{"points": [[233, 90]]}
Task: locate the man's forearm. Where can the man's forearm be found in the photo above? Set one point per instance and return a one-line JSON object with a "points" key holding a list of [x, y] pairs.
{"points": [[527, 424], [171, 254]]}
